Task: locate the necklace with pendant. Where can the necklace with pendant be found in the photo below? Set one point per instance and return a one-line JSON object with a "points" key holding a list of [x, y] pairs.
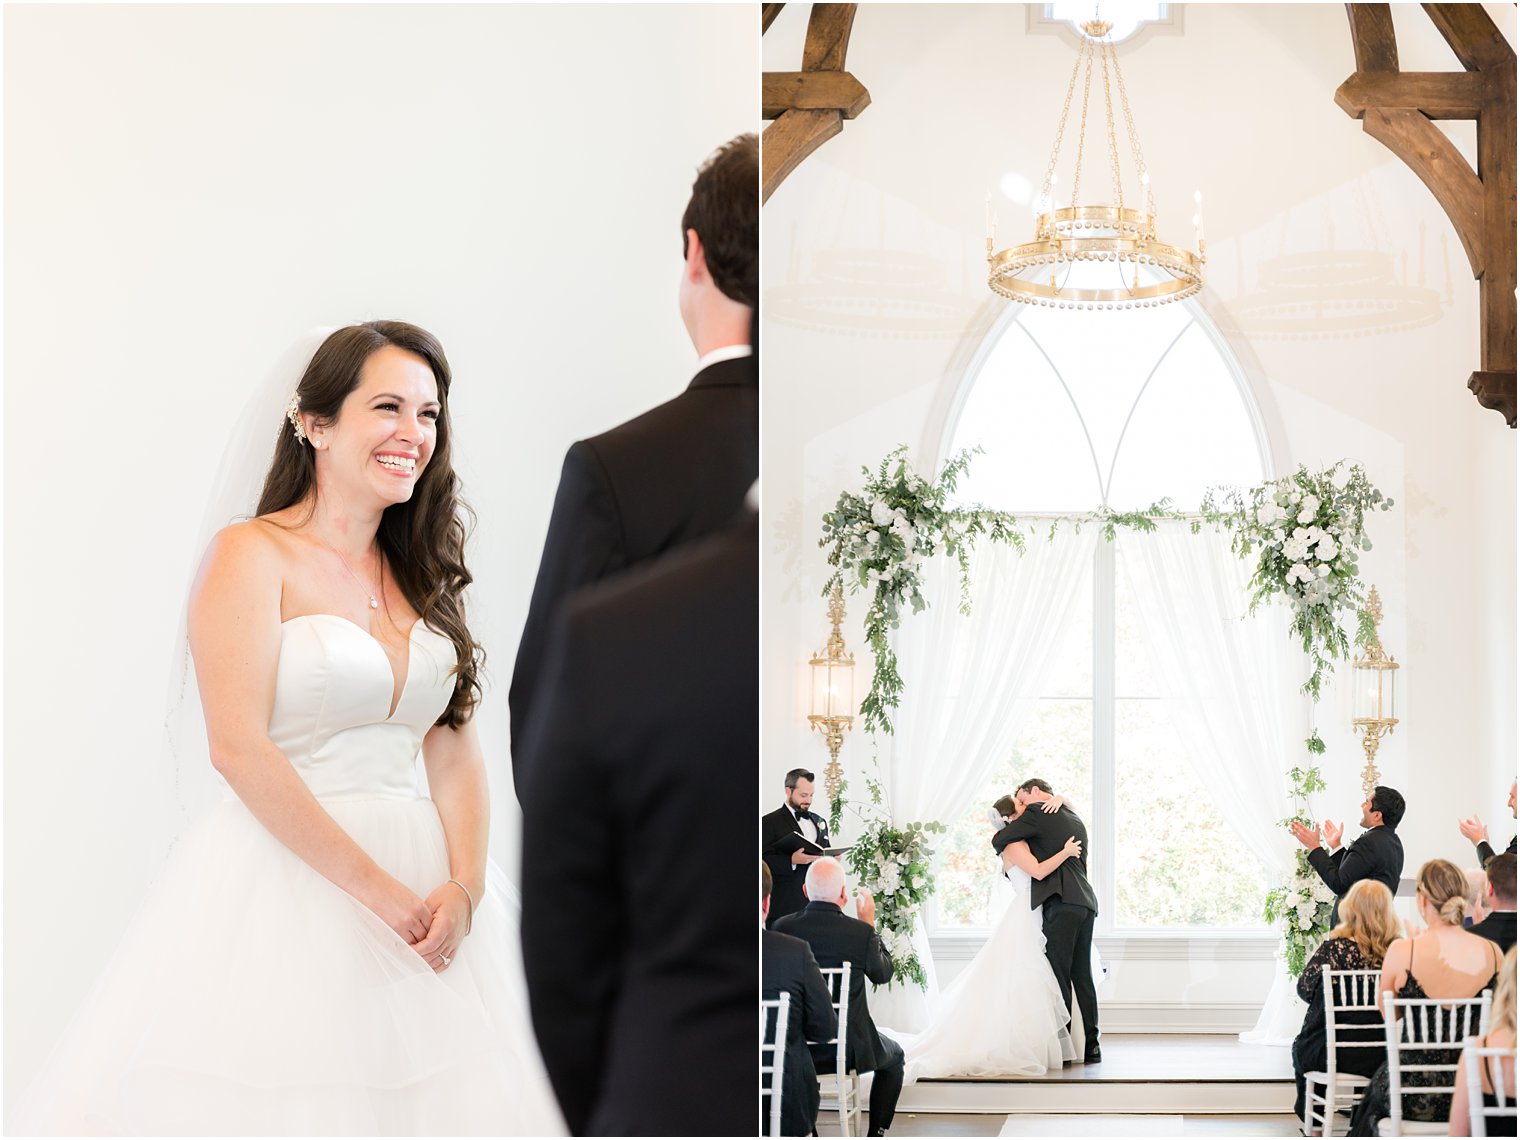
{"points": [[374, 601]]}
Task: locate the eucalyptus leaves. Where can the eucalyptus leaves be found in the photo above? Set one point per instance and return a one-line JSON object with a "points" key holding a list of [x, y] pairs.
{"points": [[896, 864]]}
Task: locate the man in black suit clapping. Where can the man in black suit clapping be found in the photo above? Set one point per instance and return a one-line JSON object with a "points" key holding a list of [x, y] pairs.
{"points": [[1070, 906], [1377, 853], [1475, 831], [837, 938], [780, 848], [787, 966]]}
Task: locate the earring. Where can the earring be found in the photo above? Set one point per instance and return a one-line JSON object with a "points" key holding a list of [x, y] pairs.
{"points": [[316, 443]]}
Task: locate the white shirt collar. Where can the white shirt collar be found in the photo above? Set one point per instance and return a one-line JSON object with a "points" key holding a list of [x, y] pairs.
{"points": [[727, 352]]}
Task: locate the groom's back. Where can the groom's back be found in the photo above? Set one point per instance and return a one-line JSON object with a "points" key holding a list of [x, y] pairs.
{"points": [[1069, 880]]}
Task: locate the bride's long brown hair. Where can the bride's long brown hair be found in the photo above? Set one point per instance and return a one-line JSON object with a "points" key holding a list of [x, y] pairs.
{"points": [[423, 538]]}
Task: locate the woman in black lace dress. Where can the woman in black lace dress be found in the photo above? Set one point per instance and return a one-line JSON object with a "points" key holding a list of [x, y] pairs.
{"points": [[1444, 961], [1498, 1073], [1368, 926]]}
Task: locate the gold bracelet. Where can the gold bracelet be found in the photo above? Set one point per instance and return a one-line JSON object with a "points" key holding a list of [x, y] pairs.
{"points": [[470, 919]]}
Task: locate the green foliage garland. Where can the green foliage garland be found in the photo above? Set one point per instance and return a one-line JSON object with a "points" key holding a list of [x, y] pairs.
{"points": [[1303, 533]]}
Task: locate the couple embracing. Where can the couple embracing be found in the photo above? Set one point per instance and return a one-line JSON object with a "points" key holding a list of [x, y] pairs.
{"points": [[1010, 1011]]}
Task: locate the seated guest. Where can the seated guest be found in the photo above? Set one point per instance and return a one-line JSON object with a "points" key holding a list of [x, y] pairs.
{"points": [[1368, 925], [1376, 854], [1499, 900], [1444, 961], [787, 966], [837, 938], [1501, 1035], [1476, 832]]}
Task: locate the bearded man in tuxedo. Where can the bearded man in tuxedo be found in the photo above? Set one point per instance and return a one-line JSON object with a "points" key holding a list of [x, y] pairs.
{"points": [[679, 471], [780, 847], [1475, 831], [1378, 853]]}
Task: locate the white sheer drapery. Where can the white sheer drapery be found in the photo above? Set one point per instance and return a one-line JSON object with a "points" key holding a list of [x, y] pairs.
{"points": [[965, 682], [1224, 679]]}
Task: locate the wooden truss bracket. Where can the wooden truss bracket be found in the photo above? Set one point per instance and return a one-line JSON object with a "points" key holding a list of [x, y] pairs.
{"points": [[808, 107], [1397, 108]]}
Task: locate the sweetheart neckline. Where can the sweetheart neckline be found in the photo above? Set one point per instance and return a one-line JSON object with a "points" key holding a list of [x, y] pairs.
{"points": [[406, 680]]}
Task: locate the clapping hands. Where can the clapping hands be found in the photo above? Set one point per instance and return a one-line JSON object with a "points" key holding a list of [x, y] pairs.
{"points": [[1474, 830], [1308, 836], [1333, 833]]}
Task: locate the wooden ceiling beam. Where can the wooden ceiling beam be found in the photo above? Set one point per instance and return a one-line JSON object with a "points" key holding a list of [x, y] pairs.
{"points": [[1472, 35], [783, 91], [1438, 94], [1396, 108], [1436, 161], [1372, 37], [809, 107], [768, 14]]}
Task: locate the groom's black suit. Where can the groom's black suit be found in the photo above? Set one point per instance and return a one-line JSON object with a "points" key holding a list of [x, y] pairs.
{"points": [[641, 967], [674, 474], [1071, 908], [787, 878]]}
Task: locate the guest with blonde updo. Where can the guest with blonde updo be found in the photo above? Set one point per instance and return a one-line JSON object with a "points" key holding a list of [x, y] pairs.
{"points": [[1443, 961], [1368, 927]]}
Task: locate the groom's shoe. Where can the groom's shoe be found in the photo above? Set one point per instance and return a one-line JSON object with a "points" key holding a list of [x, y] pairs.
{"points": [[1094, 1056]]}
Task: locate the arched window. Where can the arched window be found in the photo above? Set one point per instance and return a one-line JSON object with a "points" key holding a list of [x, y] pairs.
{"points": [[1072, 411]]}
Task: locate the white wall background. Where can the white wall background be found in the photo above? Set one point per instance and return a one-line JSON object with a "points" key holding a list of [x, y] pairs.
{"points": [[188, 189], [874, 297]]}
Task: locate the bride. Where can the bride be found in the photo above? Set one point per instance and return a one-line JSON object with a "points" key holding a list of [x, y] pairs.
{"points": [[1003, 1015], [326, 951]]}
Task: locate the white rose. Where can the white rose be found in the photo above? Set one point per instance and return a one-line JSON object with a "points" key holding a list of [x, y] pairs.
{"points": [[1322, 570], [1327, 550], [1306, 922], [1294, 496], [1306, 516], [881, 514], [1311, 503], [918, 882], [873, 537]]}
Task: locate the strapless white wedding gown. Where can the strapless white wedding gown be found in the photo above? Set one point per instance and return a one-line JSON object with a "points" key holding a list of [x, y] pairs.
{"points": [[1003, 1014], [252, 996]]}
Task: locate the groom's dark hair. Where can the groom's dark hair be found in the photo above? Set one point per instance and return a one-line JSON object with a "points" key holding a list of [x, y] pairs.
{"points": [[1037, 783], [725, 211], [1005, 805]]}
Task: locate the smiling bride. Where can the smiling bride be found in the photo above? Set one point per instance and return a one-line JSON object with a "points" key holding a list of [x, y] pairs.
{"points": [[323, 953]]}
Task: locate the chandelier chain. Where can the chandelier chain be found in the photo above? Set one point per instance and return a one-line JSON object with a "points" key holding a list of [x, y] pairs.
{"points": [[1113, 142], [1055, 151], [1134, 142], [1076, 179]]}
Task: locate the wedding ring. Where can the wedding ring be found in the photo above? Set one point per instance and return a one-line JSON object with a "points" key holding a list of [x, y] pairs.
{"points": [[445, 958]]}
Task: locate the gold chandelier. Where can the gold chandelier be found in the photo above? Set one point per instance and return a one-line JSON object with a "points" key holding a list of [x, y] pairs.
{"points": [[1096, 257]]}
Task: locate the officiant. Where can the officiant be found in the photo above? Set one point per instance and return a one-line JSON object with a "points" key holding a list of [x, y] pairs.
{"points": [[791, 837]]}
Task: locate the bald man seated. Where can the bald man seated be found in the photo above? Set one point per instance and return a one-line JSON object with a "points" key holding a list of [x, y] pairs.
{"points": [[837, 938]]}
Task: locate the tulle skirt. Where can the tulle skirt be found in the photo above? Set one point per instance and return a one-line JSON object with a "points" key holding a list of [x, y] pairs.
{"points": [[252, 996], [1000, 1016]]}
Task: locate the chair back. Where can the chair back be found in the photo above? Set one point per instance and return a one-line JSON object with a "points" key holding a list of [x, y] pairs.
{"points": [[837, 978], [773, 1017], [1350, 997], [1479, 1112], [1415, 1025]]}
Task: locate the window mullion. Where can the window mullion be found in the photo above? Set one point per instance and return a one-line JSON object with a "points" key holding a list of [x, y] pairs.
{"points": [[1101, 830]]}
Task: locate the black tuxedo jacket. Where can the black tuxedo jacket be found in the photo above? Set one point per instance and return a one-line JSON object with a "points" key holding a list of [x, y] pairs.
{"points": [[1498, 927], [1046, 835], [787, 896], [1377, 854], [674, 474], [641, 978], [836, 938], [787, 966], [1486, 851]]}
